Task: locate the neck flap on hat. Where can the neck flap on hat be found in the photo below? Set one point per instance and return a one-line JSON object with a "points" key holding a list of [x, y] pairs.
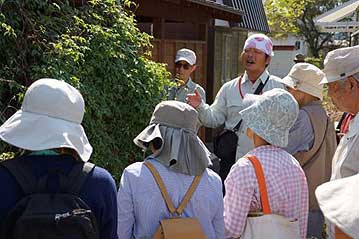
{"points": [[181, 150]]}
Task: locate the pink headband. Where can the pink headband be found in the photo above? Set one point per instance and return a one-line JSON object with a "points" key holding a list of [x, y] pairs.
{"points": [[260, 42]]}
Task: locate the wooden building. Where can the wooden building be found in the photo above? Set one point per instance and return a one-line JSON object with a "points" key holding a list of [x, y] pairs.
{"points": [[215, 30]]}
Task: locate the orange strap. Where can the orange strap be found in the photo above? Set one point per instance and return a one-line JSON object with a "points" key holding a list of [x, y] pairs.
{"points": [[339, 234], [261, 182]]}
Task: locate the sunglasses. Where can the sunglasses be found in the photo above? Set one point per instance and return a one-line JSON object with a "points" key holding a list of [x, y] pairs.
{"points": [[185, 66]]}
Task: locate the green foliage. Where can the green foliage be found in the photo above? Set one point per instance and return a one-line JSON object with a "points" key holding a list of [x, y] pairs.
{"points": [[283, 15], [318, 62], [297, 16], [96, 48]]}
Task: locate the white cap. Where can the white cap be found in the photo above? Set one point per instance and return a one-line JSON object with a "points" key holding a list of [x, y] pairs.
{"points": [[341, 63], [186, 55], [260, 42], [305, 77]]}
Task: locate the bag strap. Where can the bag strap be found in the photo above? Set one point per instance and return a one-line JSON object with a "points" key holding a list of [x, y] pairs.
{"points": [[22, 173], [77, 177], [164, 193], [261, 182], [256, 92]]}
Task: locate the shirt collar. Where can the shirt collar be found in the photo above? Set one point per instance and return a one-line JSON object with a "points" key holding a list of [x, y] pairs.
{"points": [[262, 77], [189, 85], [353, 127]]}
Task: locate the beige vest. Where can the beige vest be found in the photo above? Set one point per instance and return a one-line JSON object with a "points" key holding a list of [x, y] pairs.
{"points": [[317, 162]]}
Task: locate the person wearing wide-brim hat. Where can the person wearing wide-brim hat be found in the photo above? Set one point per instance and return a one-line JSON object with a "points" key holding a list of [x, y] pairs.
{"points": [[338, 200], [269, 117], [48, 129], [341, 69], [178, 155], [312, 139]]}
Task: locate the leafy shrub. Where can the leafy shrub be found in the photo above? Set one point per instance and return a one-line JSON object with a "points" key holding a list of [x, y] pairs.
{"points": [[96, 48]]}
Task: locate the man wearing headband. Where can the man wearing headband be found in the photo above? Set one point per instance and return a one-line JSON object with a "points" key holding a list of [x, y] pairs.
{"points": [[341, 69], [56, 150], [178, 155], [256, 56]]}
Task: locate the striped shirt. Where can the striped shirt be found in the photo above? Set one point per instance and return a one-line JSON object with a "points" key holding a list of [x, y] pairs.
{"points": [[286, 186], [141, 206]]}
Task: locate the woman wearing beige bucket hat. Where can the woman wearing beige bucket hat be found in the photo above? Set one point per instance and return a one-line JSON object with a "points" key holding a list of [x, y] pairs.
{"points": [[269, 117], [48, 127], [179, 157], [312, 139]]}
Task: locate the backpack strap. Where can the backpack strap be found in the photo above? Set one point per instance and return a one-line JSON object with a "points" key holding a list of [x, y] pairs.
{"points": [[22, 173], [188, 195], [164, 193], [261, 182], [76, 178]]}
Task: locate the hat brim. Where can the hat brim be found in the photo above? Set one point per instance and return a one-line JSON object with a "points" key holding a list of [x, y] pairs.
{"points": [[338, 201], [327, 79], [183, 59], [150, 133], [288, 81], [35, 132]]}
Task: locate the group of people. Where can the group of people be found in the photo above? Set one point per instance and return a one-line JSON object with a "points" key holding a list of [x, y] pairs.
{"points": [[286, 149]]}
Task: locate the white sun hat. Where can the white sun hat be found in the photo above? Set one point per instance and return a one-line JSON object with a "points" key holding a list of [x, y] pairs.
{"points": [[341, 63], [186, 55], [50, 117], [305, 77], [338, 200], [271, 115]]}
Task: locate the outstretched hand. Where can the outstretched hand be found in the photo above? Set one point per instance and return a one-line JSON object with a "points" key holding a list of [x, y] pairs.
{"points": [[194, 99]]}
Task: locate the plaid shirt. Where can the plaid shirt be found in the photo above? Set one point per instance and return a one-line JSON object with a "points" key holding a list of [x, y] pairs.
{"points": [[286, 186]]}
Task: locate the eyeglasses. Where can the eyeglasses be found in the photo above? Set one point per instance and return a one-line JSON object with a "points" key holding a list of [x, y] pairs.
{"points": [[185, 66]]}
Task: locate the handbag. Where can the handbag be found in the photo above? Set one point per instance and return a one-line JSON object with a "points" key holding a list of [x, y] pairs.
{"points": [[225, 143], [177, 227], [265, 224]]}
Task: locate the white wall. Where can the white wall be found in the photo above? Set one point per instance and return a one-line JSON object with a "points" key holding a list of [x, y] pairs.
{"points": [[281, 63]]}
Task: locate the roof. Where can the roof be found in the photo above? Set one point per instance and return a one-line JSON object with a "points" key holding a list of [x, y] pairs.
{"points": [[213, 4], [254, 17], [334, 20], [339, 12]]}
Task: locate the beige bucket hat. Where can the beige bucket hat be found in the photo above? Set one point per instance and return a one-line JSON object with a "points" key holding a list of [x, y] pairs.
{"points": [[50, 117], [338, 200], [306, 78], [341, 63]]}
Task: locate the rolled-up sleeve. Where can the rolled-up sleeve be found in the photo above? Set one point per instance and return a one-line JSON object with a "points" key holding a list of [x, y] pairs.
{"points": [[214, 115]]}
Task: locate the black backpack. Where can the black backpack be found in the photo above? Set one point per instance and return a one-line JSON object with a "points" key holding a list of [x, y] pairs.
{"points": [[40, 215]]}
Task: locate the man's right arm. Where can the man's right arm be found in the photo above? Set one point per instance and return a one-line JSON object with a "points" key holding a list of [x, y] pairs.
{"points": [[212, 115]]}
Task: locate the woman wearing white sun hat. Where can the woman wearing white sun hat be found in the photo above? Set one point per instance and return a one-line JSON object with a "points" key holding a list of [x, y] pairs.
{"points": [[48, 127]]}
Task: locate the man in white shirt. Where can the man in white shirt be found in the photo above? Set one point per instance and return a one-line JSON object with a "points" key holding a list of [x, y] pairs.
{"points": [[341, 69], [256, 56]]}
